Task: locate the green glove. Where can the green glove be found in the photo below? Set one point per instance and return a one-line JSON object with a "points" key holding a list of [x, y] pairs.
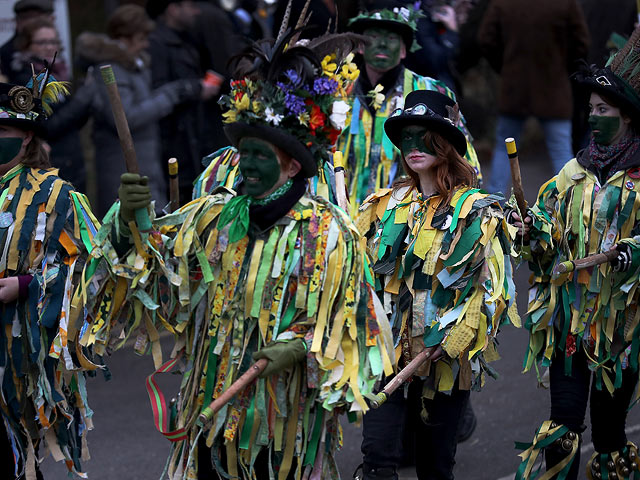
{"points": [[134, 193], [281, 355]]}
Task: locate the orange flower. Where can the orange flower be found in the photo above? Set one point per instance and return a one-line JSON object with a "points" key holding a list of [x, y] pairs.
{"points": [[317, 119]]}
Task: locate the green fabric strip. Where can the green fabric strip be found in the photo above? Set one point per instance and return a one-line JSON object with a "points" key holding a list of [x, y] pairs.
{"points": [[312, 448], [263, 271], [245, 437]]}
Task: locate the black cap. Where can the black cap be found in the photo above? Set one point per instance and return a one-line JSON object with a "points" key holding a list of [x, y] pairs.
{"points": [[45, 6], [426, 108]]}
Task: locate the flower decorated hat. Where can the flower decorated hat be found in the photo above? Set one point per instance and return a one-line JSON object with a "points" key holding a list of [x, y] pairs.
{"points": [[432, 110], [619, 80], [27, 107], [293, 93], [402, 20]]}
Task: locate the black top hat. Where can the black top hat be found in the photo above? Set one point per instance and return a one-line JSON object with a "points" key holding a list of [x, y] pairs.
{"points": [[427, 108], [619, 80], [607, 83], [404, 30], [22, 6]]}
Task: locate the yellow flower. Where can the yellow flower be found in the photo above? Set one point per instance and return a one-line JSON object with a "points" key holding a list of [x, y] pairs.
{"points": [[350, 71], [243, 103], [230, 116], [329, 67], [377, 97], [256, 107]]}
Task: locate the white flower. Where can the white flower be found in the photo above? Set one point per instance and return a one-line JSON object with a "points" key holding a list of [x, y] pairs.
{"points": [[377, 16], [404, 13], [271, 117], [338, 115]]}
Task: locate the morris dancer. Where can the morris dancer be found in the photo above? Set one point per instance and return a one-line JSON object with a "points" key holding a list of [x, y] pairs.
{"points": [[585, 325], [442, 264], [270, 273]]}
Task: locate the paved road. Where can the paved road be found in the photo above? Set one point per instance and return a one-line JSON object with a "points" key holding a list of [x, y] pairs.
{"points": [[125, 445]]}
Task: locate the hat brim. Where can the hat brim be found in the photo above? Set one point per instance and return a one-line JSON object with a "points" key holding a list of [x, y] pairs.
{"points": [[26, 125], [239, 130], [359, 26], [394, 125]]}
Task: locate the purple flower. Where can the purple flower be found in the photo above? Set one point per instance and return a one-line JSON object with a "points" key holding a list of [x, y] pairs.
{"points": [[285, 88], [294, 104], [293, 77], [324, 86]]}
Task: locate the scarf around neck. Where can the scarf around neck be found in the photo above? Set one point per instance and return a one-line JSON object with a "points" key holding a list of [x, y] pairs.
{"points": [[608, 159]]}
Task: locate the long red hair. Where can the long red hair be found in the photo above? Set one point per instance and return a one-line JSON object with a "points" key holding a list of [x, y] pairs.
{"points": [[450, 170]]}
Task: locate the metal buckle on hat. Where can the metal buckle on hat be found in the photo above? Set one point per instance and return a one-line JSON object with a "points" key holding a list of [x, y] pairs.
{"points": [[603, 80]]}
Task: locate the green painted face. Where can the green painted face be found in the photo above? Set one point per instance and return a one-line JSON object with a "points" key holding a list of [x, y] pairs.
{"points": [[259, 166], [604, 128], [9, 148], [412, 137], [384, 49]]}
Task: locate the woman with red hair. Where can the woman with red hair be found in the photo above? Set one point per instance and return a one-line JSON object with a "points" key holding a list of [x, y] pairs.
{"points": [[441, 251]]}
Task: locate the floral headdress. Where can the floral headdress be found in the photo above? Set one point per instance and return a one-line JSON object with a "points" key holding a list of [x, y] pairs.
{"points": [[293, 93], [403, 20]]}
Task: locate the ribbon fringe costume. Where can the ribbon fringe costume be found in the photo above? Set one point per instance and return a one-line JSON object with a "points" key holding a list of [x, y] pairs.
{"points": [[46, 229], [305, 277], [445, 278]]}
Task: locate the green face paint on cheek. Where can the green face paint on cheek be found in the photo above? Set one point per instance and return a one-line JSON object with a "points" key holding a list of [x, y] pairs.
{"points": [[384, 49], [604, 128], [413, 139], [259, 166], [9, 148]]}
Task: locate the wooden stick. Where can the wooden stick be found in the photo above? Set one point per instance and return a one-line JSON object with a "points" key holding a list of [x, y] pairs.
{"points": [[174, 185], [341, 189], [240, 384], [516, 179], [124, 134], [586, 262], [405, 374]]}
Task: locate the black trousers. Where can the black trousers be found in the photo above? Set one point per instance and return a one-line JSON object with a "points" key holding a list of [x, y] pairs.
{"points": [[435, 440], [608, 413]]}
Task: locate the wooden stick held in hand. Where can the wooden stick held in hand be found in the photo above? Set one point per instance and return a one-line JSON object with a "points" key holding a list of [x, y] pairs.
{"points": [[586, 262], [516, 179], [174, 185], [405, 374], [124, 134], [240, 384]]}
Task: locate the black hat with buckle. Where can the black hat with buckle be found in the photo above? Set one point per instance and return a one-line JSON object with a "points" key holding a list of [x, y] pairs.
{"points": [[432, 110], [619, 80]]}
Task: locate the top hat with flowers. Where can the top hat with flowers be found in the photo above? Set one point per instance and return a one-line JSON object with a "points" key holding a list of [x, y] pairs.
{"points": [[402, 20], [27, 106], [619, 80], [292, 93], [432, 110]]}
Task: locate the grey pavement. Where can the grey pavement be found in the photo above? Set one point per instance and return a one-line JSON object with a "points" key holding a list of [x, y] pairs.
{"points": [[125, 444]]}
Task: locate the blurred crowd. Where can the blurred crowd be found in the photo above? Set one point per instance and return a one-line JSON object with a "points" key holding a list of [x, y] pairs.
{"points": [[170, 61]]}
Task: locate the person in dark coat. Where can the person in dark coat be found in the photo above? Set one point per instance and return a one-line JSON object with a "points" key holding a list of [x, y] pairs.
{"points": [[534, 50], [194, 129], [124, 49], [24, 10]]}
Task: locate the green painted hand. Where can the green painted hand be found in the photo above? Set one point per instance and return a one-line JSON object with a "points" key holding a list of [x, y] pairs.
{"points": [[134, 194], [281, 355]]}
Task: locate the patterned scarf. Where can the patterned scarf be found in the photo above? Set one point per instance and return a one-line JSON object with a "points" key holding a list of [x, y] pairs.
{"points": [[611, 158]]}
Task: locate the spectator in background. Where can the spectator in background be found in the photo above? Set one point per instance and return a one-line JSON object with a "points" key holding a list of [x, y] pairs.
{"points": [[188, 133], [24, 10], [438, 36], [38, 42], [323, 13], [124, 48], [534, 50]]}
